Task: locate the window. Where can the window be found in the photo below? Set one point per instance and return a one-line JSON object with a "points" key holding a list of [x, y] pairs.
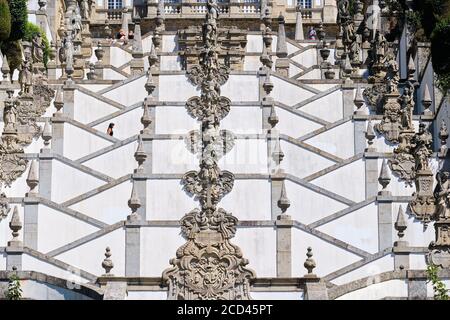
{"points": [[115, 4], [306, 4]]}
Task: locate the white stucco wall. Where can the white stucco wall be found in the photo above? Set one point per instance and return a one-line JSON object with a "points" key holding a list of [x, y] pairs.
{"points": [[79, 143], [323, 251], [372, 269], [89, 256], [74, 181], [308, 206], [109, 206], [69, 229], [337, 181], [259, 246], [160, 246], [392, 288], [294, 155]]}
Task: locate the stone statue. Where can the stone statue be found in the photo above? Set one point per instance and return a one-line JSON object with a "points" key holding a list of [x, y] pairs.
{"points": [[10, 112], [25, 76], [312, 34], [38, 49], [85, 13], [392, 75], [442, 195], [407, 103], [76, 22], [422, 142], [210, 27]]}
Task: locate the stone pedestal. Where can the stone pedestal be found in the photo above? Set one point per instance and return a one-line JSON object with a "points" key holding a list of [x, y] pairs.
{"points": [[86, 45], [284, 248], [282, 67], [423, 205]]}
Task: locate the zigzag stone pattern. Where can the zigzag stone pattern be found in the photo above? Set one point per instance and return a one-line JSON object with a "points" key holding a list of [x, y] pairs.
{"points": [[332, 152]]}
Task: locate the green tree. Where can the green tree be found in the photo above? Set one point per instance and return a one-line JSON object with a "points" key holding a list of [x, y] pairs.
{"points": [[5, 20], [30, 31], [440, 291], [19, 17], [14, 291]]}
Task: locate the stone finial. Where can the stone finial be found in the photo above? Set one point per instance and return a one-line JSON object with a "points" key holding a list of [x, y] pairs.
{"points": [[91, 74], [443, 136], [426, 101], [347, 66], [152, 57], [125, 20], [150, 85], [46, 134], [58, 102], [411, 68], [137, 50], [281, 40], [145, 119], [99, 53], [107, 29], [140, 155], [15, 225], [299, 35], [5, 68], [277, 154], [134, 203], [370, 134], [273, 118], [400, 224], [107, 263], [385, 176], [283, 202], [42, 5], [321, 31], [359, 100], [268, 85], [32, 179], [309, 264]]}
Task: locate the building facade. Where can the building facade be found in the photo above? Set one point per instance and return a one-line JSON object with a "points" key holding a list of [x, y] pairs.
{"points": [[260, 150]]}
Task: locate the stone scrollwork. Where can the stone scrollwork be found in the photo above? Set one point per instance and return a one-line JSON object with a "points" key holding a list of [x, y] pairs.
{"points": [[4, 206], [439, 250], [208, 266]]}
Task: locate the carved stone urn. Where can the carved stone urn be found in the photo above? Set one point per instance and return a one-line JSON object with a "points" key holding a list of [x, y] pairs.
{"points": [[99, 52]]}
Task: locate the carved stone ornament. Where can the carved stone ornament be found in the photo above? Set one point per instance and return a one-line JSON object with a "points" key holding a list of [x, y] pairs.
{"points": [[439, 250], [4, 206], [20, 115], [390, 125], [402, 163], [208, 266]]}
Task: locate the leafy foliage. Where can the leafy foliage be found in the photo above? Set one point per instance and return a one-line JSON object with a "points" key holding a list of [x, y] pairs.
{"points": [[19, 17], [440, 291], [30, 31], [13, 52], [440, 46], [14, 291], [5, 20]]}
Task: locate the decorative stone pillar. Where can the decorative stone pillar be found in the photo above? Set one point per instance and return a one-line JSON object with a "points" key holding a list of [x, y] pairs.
{"points": [[371, 166], [401, 249], [384, 201], [299, 35], [315, 289], [31, 205], [348, 101], [69, 98], [14, 250], [137, 62], [98, 67], [284, 234], [133, 232], [51, 64], [282, 63]]}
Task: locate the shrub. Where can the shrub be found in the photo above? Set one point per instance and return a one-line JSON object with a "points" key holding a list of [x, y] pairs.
{"points": [[5, 20], [440, 47], [30, 31], [13, 52], [19, 17]]}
